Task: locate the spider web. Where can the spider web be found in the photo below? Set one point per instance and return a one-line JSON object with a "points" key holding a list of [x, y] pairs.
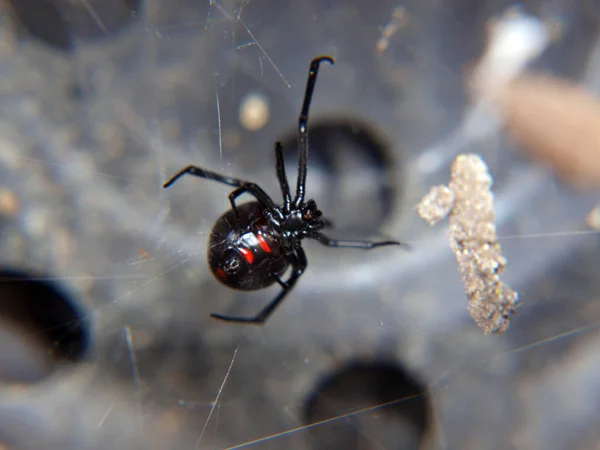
{"points": [[165, 375]]}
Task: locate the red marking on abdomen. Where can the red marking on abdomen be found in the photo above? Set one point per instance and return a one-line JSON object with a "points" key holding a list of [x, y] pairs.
{"points": [[247, 254], [263, 244], [221, 275]]}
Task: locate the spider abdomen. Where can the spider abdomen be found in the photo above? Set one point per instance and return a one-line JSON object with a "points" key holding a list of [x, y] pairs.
{"points": [[245, 255]]}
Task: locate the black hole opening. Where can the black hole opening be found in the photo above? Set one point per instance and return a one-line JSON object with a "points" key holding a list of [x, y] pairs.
{"points": [[373, 405], [43, 20], [58, 24], [349, 172], [40, 327]]}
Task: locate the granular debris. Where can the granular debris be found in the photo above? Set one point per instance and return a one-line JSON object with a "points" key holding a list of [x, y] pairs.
{"points": [[468, 203], [398, 20]]}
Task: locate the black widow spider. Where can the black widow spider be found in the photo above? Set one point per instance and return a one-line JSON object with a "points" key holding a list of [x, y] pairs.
{"points": [[253, 244]]}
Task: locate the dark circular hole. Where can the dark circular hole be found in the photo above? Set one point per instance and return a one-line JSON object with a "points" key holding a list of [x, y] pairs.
{"points": [[58, 23], [349, 172], [40, 327], [43, 20], [373, 405]]}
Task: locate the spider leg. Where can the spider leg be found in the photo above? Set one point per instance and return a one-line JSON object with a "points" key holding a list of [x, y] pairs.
{"points": [[282, 177], [202, 173], [303, 128], [254, 190], [349, 244], [241, 185], [298, 263]]}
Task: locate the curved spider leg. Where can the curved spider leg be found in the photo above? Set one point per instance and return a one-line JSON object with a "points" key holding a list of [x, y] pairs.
{"points": [[241, 185], [303, 128], [203, 173], [282, 177], [256, 191], [349, 244], [298, 263]]}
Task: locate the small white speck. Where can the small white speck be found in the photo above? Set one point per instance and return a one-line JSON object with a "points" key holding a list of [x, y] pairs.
{"points": [[254, 111]]}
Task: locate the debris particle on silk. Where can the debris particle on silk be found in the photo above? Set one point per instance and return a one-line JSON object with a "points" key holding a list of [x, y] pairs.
{"points": [[468, 203]]}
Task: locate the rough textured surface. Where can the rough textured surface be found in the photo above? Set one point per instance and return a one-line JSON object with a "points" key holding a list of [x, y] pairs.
{"points": [[90, 130], [469, 204]]}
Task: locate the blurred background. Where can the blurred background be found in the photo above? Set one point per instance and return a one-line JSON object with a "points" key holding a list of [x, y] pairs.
{"points": [[106, 339]]}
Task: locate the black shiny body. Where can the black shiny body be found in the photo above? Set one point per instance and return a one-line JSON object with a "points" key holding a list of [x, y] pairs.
{"points": [[249, 258], [254, 244]]}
